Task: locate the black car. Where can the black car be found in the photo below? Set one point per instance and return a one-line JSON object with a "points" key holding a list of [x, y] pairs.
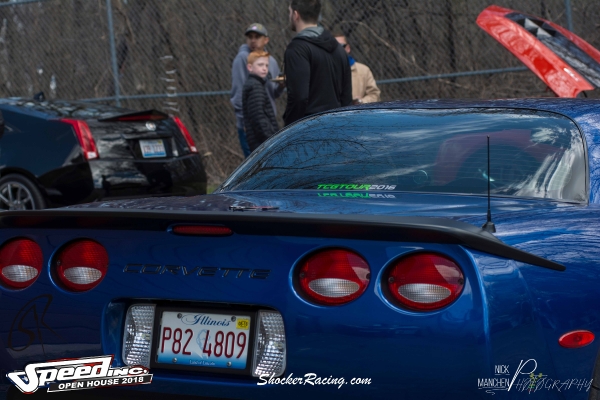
{"points": [[58, 153]]}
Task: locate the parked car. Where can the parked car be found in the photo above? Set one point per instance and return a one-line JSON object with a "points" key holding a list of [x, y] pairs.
{"points": [[353, 255], [58, 153]]}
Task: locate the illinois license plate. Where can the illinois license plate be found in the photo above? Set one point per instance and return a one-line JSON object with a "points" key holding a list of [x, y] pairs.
{"points": [[153, 148], [206, 340]]}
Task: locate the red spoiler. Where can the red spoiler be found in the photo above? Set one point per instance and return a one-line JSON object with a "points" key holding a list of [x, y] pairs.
{"points": [[563, 60]]}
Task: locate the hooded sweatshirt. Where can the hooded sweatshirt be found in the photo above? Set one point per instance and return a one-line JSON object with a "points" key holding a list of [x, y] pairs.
{"points": [[239, 74], [317, 72]]}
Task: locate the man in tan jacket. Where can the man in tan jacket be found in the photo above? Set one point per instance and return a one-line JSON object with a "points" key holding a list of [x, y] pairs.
{"points": [[364, 88]]}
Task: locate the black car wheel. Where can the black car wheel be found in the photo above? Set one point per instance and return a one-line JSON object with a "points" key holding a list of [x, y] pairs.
{"points": [[19, 193]]}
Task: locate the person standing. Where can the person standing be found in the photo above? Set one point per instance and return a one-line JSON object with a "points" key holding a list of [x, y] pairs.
{"points": [[317, 71], [259, 120], [364, 87], [256, 40]]}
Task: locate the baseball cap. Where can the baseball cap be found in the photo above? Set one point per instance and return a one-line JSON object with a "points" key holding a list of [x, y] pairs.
{"points": [[258, 28]]}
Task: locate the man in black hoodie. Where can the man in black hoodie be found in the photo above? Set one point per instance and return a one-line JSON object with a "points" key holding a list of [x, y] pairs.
{"points": [[317, 72]]}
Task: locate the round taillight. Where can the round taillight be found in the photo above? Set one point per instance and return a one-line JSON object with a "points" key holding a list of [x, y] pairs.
{"points": [[424, 281], [333, 276], [81, 265], [576, 339], [21, 263]]}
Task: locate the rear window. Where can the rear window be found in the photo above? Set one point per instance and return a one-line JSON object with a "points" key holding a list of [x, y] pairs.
{"points": [[532, 154]]}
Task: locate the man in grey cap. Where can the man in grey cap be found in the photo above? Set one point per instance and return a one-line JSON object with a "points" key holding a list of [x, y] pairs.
{"points": [[256, 40]]}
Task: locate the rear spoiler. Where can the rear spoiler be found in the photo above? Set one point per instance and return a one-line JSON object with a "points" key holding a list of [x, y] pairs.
{"points": [[363, 227], [148, 115]]}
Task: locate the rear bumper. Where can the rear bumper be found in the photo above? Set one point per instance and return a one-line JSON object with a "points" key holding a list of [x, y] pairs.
{"points": [[130, 178], [108, 179]]}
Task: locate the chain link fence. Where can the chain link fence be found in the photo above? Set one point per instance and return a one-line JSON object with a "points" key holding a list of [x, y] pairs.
{"points": [[176, 55]]}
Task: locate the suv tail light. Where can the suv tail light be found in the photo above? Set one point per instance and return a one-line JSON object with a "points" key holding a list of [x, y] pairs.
{"points": [[186, 135], [425, 281], [21, 262], [333, 276], [84, 135], [82, 265]]}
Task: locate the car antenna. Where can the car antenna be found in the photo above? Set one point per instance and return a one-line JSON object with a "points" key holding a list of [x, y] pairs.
{"points": [[489, 225]]}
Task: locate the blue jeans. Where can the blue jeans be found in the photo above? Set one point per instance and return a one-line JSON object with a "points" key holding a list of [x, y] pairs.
{"points": [[244, 142]]}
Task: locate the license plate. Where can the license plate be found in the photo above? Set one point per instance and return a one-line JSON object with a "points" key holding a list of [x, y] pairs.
{"points": [[153, 148], [204, 340]]}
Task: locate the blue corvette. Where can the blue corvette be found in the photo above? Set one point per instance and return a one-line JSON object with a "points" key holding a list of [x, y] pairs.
{"points": [[409, 250]]}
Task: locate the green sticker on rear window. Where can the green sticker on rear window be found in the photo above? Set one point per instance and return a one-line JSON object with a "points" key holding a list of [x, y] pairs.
{"points": [[357, 195], [351, 186]]}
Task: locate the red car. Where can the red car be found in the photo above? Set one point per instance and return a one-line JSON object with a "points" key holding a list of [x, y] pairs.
{"points": [[564, 61]]}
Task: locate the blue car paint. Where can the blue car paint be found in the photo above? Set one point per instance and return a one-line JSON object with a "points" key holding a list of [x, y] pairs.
{"points": [[508, 311], [458, 335], [311, 329]]}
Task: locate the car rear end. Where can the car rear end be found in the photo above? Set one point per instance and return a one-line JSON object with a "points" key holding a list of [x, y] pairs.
{"points": [[225, 305], [140, 154], [85, 152]]}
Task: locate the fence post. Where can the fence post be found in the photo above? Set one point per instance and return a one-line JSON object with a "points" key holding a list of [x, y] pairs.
{"points": [[569, 15], [113, 52]]}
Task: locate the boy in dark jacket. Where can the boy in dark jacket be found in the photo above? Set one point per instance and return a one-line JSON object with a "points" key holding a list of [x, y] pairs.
{"points": [[259, 118], [256, 40]]}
